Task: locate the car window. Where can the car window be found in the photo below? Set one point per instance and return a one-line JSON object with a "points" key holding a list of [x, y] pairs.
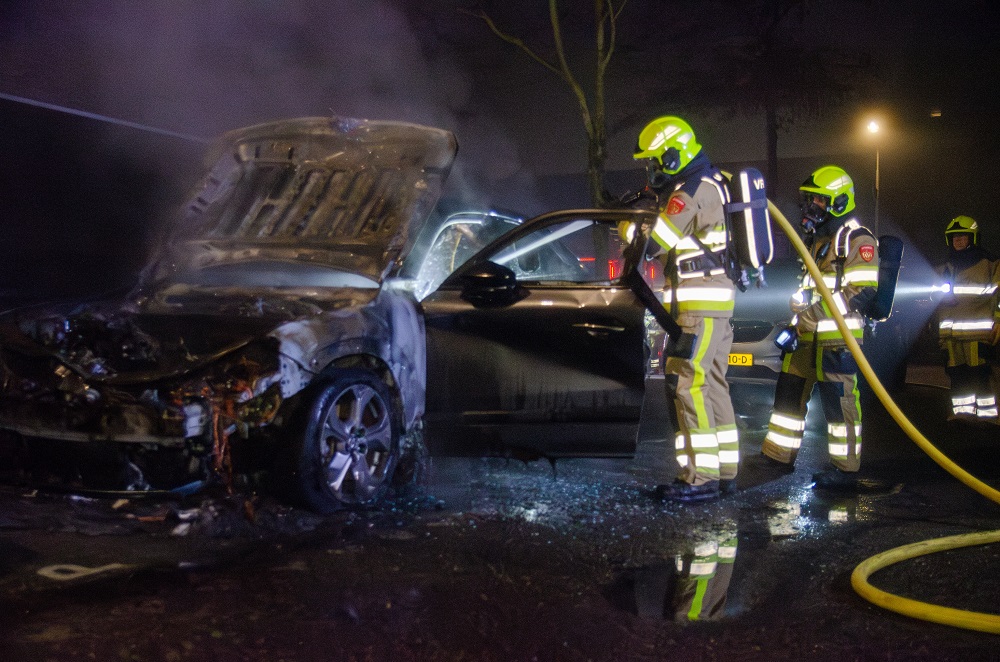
{"points": [[572, 251], [460, 237]]}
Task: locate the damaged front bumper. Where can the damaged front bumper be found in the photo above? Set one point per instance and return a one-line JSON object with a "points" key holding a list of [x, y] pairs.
{"points": [[196, 414]]}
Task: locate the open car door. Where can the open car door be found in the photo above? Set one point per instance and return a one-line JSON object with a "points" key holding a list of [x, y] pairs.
{"points": [[536, 346]]}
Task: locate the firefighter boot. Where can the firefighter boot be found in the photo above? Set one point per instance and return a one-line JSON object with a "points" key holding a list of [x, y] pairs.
{"points": [[686, 492]]}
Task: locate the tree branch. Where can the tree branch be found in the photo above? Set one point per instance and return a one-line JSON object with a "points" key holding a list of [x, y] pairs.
{"points": [[612, 19], [511, 39], [567, 74]]}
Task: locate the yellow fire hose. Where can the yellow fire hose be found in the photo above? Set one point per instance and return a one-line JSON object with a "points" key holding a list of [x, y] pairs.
{"points": [[969, 620]]}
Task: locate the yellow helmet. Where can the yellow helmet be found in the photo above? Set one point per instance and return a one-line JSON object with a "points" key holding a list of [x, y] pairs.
{"points": [[668, 140], [962, 225], [834, 184]]}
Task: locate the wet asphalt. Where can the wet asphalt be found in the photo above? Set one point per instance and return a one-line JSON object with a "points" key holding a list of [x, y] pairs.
{"points": [[497, 559]]}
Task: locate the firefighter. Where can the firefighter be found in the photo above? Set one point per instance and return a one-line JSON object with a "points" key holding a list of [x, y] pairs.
{"points": [[815, 352], [966, 323], [691, 228]]}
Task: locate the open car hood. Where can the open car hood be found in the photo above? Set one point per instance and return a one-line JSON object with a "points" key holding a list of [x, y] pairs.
{"points": [[349, 193]]}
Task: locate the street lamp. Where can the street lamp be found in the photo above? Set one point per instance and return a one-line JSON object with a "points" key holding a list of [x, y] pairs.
{"points": [[873, 128]]}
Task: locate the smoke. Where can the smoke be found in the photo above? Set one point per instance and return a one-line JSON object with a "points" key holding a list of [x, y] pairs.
{"points": [[210, 66], [203, 67]]}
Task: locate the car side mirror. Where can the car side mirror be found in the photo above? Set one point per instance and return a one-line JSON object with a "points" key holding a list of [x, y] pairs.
{"points": [[490, 285]]}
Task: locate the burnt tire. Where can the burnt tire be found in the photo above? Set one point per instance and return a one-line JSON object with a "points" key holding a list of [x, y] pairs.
{"points": [[345, 444]]}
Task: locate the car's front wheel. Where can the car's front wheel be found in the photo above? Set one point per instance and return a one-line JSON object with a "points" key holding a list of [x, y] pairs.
{"points": [[347, 444]]}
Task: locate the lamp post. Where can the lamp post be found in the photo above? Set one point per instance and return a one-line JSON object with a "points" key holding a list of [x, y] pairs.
{"points": [[873, 128]]}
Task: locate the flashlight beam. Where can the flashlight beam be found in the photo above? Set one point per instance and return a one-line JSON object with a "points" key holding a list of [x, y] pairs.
{"points": [[102, 118]]}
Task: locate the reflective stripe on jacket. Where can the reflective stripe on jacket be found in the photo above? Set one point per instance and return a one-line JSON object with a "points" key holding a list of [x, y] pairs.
{"points": [[857, 250], [968, 312], [702, 286]]}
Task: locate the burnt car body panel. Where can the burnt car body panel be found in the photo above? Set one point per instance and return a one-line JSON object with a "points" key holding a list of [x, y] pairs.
{"points": [[288, 235], [335, 191]]}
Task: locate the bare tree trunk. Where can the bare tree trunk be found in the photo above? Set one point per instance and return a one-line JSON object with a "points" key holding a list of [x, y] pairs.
{"points": [[606, 15], [596, 157], [598, 137], [782, 244]]}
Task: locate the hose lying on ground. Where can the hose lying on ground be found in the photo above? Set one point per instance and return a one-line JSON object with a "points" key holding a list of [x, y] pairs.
{"points": [[859, 578]]}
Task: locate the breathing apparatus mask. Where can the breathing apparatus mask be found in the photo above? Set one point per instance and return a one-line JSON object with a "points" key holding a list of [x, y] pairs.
{"points": [[814, 209], [657, 171]]}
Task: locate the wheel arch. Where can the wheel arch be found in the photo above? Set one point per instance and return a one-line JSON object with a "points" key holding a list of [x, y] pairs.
{"points": [[373, 364]]}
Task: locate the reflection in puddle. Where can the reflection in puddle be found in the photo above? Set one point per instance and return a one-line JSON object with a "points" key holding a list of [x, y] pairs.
{"points": [[693, 587], [530, 513], [787, 519], [703, 580], [806, 512]]}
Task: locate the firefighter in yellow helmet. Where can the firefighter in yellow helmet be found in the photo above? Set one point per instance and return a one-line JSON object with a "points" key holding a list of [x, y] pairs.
{"points": [[691, 228], [815, 353], [967, 322]]}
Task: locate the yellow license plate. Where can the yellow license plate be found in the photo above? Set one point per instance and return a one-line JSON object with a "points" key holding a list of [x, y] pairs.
{"points": [[741, 359]]}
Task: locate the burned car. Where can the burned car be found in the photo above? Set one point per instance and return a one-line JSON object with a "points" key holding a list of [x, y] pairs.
{"points": [[281, 331]]}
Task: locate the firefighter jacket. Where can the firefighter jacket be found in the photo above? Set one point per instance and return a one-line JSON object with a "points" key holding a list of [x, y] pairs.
{"points": [[691, 226], [967, 313], [847, 256]]}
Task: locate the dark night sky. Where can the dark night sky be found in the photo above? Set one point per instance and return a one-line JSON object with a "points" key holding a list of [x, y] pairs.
{"points": [[76, 190]]}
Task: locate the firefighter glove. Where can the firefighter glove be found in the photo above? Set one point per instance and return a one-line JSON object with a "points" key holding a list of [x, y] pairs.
{"points": [[863, 302]]}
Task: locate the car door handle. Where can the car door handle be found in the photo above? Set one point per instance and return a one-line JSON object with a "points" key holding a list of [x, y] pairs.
{"points": [[594, 327]]}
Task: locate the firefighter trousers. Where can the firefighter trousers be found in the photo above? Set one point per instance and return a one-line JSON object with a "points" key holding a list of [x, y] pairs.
{"points": [[707, 442], [972, 395], [835, 373]]}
